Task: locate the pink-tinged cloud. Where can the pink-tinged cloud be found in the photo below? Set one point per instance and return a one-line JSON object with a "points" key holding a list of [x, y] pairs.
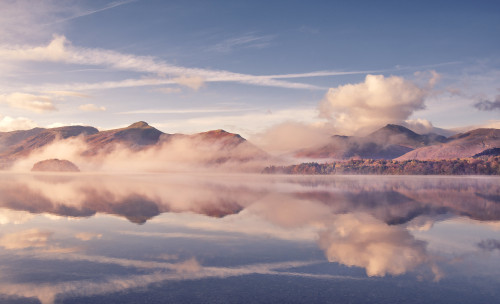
{"points": [[377, 101]]}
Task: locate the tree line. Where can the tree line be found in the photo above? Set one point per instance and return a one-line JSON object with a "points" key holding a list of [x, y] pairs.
{"points": [[466, 166]]}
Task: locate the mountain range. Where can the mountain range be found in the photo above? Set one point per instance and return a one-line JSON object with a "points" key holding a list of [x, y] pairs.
{"points": [[218, 146], [400, 143]]}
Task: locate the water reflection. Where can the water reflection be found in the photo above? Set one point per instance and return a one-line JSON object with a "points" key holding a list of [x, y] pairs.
{"points": [[193, 227]]}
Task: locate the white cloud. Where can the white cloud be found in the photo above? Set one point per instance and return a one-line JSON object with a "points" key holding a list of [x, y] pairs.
{"points": [[62, 51], [375, 102], [363, 241], [90, 107], [31, 102], [186, 270], [8, 124], [421, 126]]}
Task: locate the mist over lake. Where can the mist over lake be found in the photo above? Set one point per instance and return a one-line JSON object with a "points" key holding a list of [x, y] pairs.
{"points": [[227, 151], [197, 238]]}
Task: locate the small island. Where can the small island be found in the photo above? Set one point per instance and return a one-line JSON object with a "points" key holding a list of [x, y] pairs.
{"points": [[55, 165]]}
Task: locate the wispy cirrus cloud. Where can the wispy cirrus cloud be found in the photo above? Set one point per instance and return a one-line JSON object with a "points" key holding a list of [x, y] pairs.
{"points": [[60, 50], [247, 41], [163, 272], [28, 20], [83, 13]]}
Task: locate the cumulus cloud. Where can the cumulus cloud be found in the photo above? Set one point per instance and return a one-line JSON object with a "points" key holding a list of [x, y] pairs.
{"points": [[487, 105], [373, 103], [364, 241], [8, 123], [34, 103], [90, 107]]}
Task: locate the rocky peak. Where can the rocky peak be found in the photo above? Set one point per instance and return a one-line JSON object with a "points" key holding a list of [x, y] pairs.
{"points": [[139, 125]]}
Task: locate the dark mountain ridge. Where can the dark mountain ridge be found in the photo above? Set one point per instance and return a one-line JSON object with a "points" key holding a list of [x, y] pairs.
{"points": [[403, 136], [388, 142]]}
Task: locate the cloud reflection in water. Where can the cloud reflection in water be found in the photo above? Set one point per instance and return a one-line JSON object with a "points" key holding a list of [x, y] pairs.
{"points": [[357, 221]]}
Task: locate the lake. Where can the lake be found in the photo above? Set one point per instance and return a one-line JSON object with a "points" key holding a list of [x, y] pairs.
{"points": [[229, 238]]}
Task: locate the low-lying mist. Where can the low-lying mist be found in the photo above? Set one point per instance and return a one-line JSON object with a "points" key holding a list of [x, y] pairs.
{"points": [[182, 153]]}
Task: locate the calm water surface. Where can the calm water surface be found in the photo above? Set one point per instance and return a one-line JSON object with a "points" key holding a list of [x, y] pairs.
{"points": [[195, 238]]}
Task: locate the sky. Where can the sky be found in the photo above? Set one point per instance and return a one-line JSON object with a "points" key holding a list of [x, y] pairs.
{"points": [[285, 68]]}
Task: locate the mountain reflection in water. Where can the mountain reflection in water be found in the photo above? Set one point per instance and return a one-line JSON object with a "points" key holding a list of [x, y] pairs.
{"points": [[62, 238]]}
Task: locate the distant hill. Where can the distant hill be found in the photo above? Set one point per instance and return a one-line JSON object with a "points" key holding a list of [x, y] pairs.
{"points": [[219, 146], [226, 146], [399, 135], [388, 142], [21, 143], [136, 136], [461, 145]]}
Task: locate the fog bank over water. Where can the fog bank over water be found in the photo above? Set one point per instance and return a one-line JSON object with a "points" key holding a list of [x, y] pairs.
{"points": [[179, 153]]}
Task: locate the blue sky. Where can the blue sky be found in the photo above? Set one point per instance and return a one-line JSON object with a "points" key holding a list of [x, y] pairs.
{"points": [[246, 66]]}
